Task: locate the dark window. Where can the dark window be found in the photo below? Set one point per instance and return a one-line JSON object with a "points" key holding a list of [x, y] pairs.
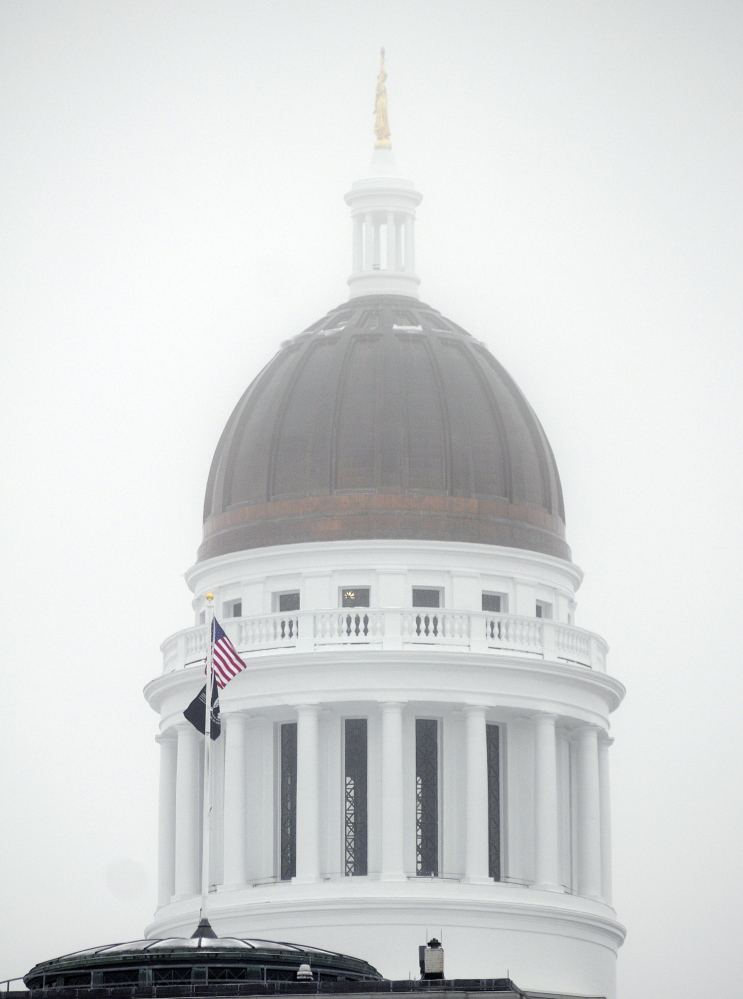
{"points": [[427, 797], [288, 602], [428, 625], [121, 976], [355, 797], [281, 975], [172, 976], [544, 609], [236, 608], [426, 598], [288, 795], [493, 746], [220, 974], [355, 597], [491, 602]]}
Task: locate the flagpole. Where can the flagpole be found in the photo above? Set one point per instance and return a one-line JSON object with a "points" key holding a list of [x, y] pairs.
{"points": [[204, 928]]}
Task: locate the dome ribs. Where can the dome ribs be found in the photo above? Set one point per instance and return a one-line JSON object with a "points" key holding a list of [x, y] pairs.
{"points": [[357, 471], [302, 443], [424, 418], [247, 456], [384, 420]]}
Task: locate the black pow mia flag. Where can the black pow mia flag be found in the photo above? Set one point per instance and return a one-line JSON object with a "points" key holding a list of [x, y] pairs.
{"points": [[196, 714]]}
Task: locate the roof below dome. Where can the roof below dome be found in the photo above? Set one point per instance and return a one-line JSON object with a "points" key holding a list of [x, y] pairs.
{"points": [[174, 959], [383, 420]]}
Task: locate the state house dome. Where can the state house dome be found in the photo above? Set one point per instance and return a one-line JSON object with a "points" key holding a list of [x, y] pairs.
{"points": [[383, 420]]}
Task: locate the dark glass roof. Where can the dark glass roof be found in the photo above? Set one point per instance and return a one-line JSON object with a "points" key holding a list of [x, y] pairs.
{"points": [[179, 960], [383, 420]]}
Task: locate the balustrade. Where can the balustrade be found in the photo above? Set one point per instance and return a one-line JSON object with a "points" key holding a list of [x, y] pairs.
{"points": [[398, 628]]}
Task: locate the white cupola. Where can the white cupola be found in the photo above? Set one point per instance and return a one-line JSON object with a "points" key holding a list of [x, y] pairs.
{"points": [[383, 211]]}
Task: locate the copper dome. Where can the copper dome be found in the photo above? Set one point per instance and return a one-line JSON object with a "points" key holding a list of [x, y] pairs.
{"points": [[383, 420]]}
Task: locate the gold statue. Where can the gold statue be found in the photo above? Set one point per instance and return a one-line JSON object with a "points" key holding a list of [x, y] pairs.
{"points": [[381, 122]]}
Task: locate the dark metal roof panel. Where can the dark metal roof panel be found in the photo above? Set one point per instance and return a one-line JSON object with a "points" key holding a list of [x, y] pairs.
{"points": [[383, 397]]}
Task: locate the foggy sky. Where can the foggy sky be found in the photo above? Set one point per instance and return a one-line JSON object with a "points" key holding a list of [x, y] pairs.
{"points": [[172, 182]]}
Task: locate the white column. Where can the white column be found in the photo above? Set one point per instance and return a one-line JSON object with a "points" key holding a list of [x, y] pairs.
{"points": [[235, 799], [166, 819], [393, 861], [399, 229], [187, 817], [605, 810], [589, 814], [368, 242], [377, 243], [358, 244], [476, 866], [546, 827], [391, 241], [308, 797], [409, 245]]}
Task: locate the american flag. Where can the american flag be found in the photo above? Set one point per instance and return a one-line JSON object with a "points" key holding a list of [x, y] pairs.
{"points": [[225, 660]]}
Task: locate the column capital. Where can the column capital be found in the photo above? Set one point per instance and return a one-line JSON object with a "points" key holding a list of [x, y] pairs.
{"points": [[475, 709], [185, 728], [167, 735], [545, 716], [388, 706], [585, 727]]}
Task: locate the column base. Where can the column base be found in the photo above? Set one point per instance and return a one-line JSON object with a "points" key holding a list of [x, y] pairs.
{"points": [[477, 879], [546, 886], [306, 879], [393, 877]]}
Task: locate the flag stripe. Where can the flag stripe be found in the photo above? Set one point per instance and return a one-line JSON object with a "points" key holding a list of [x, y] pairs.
{"points": [[226, 663]]}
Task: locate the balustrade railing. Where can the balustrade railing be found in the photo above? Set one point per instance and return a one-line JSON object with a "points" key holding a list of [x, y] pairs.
{"points": [[395, 629]]}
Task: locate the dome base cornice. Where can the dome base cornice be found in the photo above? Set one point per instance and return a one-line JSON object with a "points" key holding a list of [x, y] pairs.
{"points": [[390, 516]]}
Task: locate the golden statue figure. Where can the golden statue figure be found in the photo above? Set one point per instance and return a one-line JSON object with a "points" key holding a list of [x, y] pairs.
{"points": [[381, 122]]}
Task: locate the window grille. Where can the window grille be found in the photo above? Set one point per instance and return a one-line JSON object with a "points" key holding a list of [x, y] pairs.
{"points": [[356, 797], [288, 801], [493, 747], [427, 797]]}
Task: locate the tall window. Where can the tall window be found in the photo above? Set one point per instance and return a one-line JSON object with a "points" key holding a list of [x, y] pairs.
{"points": [[427, 797], [427, 624], [288, 801], [493, 747], [355, 797], [355, 624]]}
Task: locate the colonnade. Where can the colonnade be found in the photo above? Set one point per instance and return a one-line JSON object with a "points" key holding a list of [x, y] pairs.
{"points": [[399, 242], [179, 828]]}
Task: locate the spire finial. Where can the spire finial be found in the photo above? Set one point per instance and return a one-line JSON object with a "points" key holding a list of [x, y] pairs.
{"points": [[381, 122]]}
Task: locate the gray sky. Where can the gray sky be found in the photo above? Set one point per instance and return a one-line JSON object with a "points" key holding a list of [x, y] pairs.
{"points": [[172, 181]]}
